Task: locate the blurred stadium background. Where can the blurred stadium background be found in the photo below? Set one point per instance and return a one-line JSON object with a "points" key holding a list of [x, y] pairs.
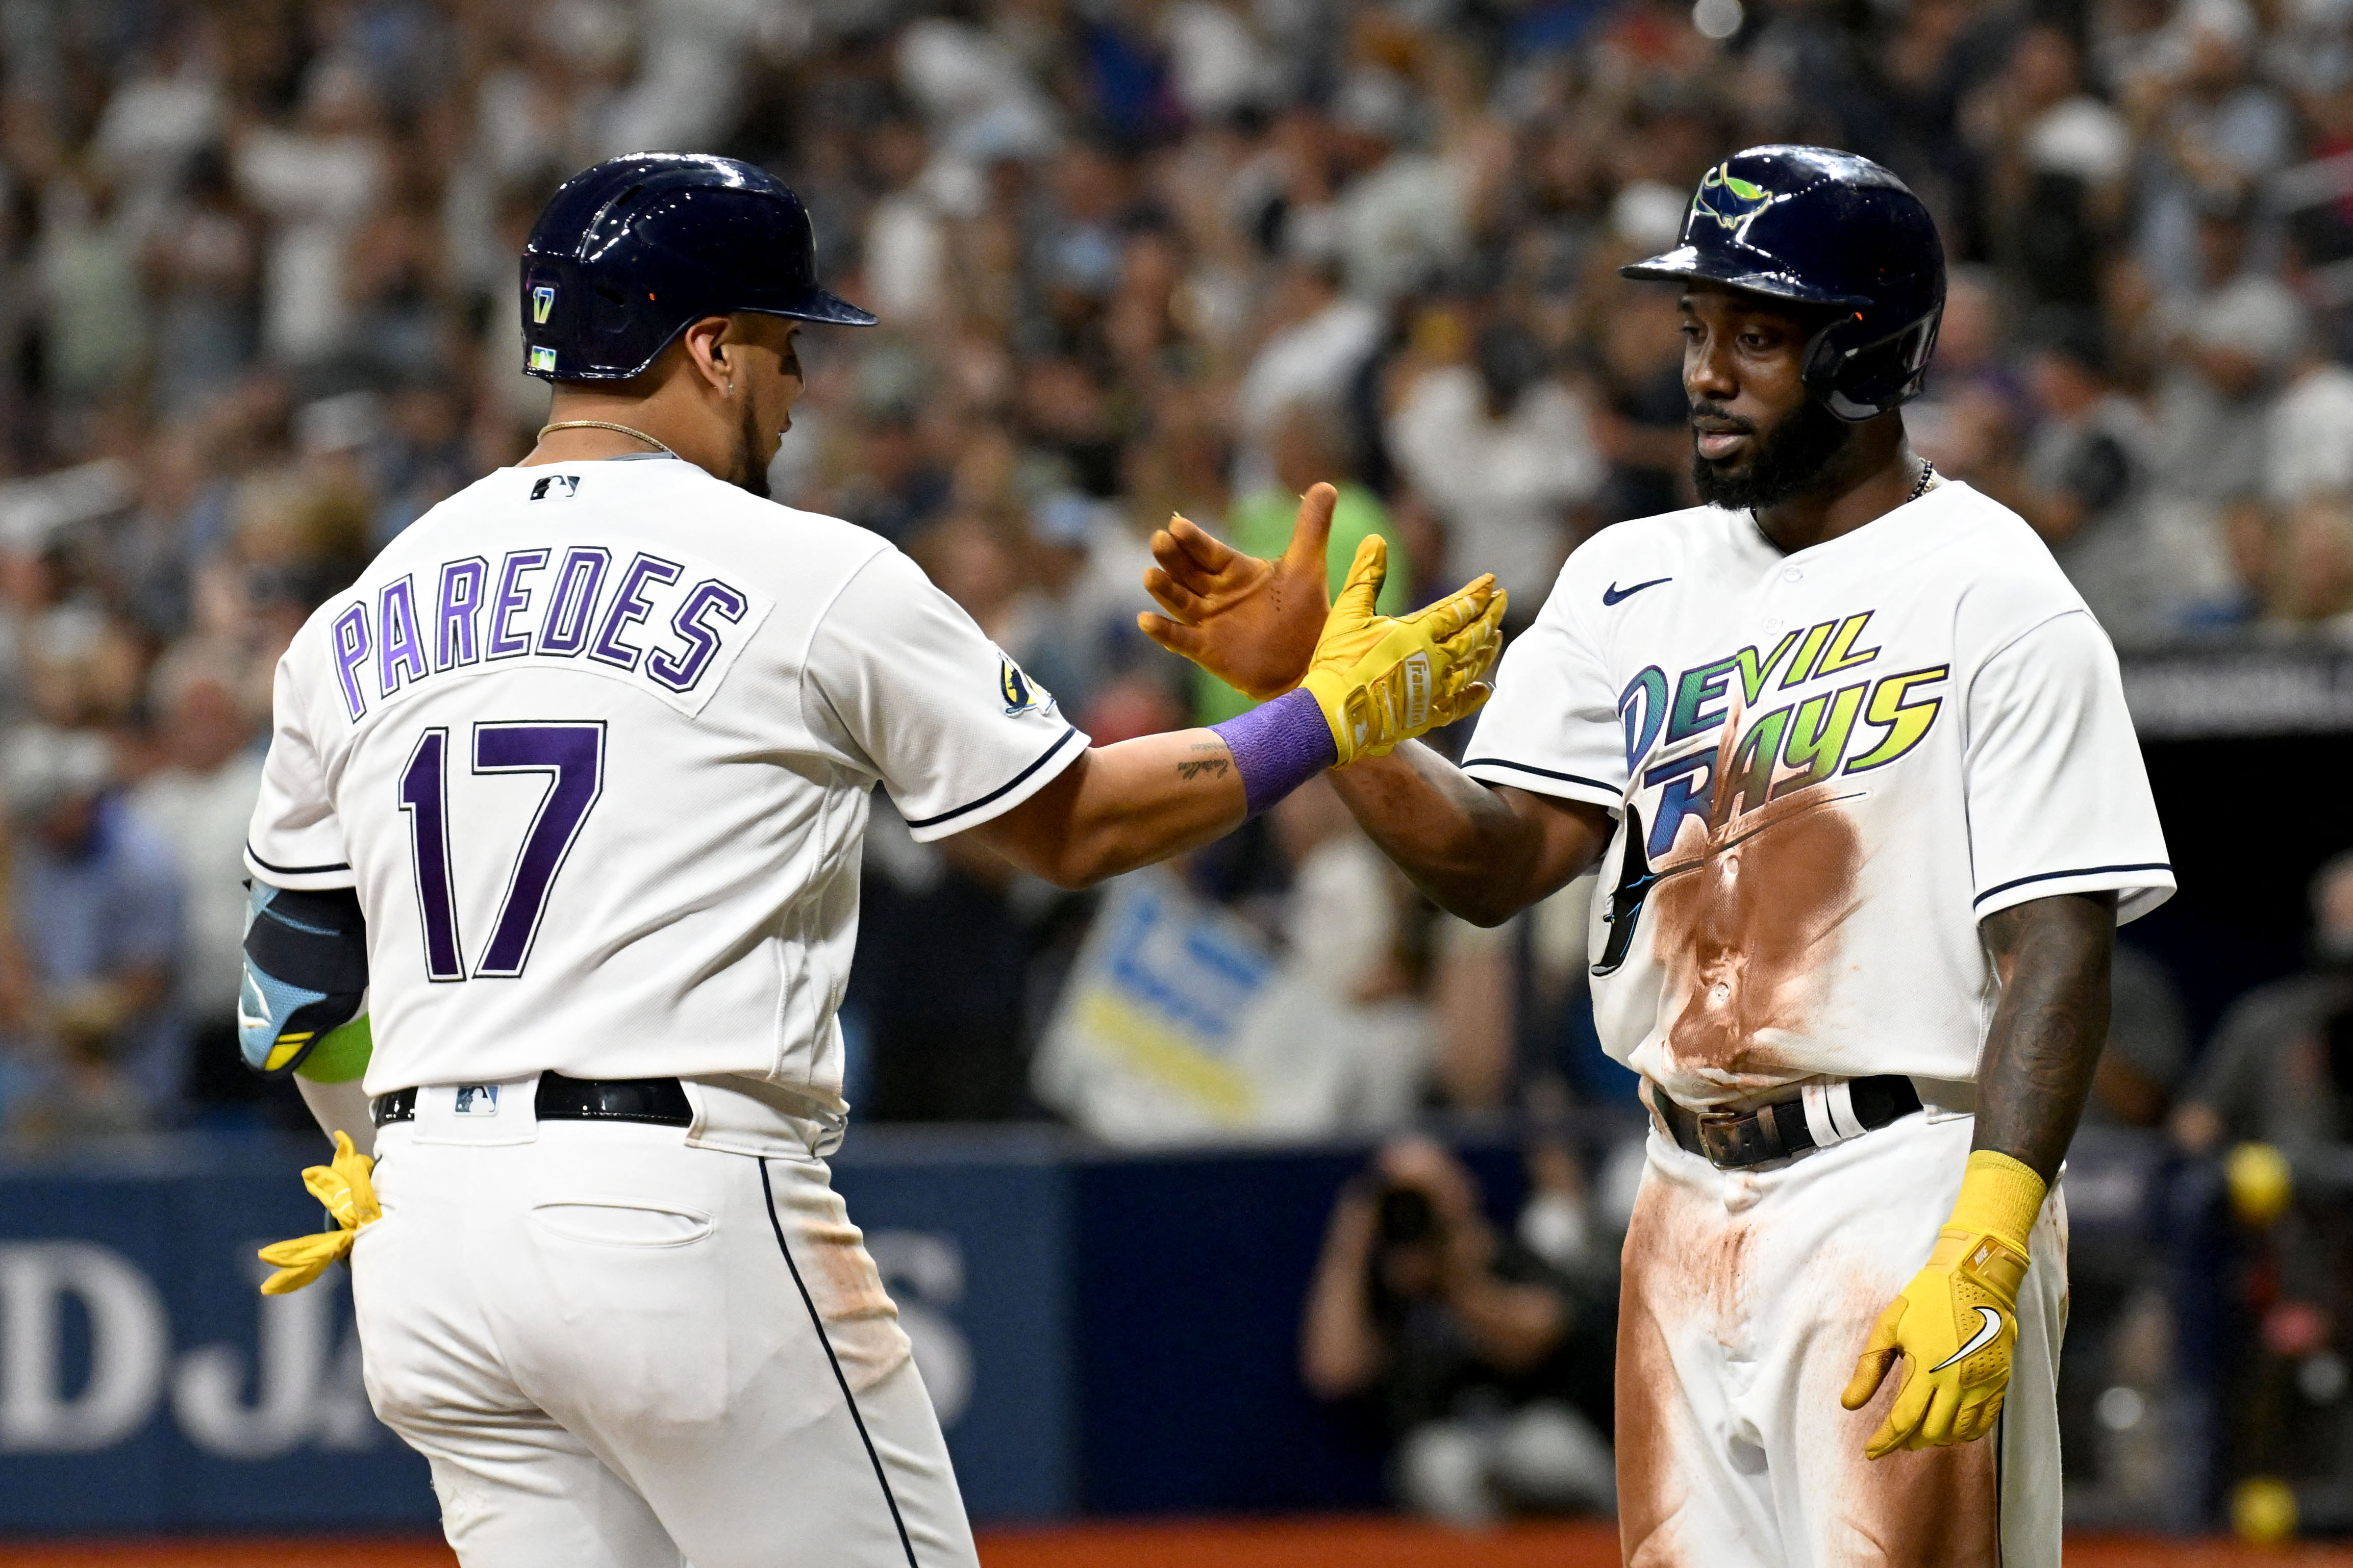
{"points": [[1130, 1159]]}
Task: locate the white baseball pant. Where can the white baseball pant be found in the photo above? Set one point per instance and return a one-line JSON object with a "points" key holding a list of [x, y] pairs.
{"points": [[1745, 1300], [617, 1351]]}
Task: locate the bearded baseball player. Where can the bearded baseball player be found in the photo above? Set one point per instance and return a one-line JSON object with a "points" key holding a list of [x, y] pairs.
{"points": [[556, 886], [1854, 762]]}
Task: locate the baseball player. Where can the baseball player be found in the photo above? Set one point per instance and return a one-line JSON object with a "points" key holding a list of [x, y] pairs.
{"points": [[557, 850], [1855, 764]]}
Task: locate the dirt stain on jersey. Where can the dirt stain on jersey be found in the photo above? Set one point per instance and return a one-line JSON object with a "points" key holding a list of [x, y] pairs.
{"points": [[1749, 917]]}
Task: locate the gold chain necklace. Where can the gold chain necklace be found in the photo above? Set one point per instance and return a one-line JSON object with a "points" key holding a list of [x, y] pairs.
{"points": [[607, 424]]}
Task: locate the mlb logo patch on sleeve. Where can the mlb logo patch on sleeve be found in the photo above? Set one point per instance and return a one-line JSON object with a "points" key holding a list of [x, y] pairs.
{"points": [[555, 487]]}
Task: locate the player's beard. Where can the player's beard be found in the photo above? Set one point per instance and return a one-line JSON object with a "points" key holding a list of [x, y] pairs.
{"points": [[1782, 465]]}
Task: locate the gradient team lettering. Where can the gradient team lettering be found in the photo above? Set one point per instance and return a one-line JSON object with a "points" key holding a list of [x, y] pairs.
{"points": [[1784, 749]]}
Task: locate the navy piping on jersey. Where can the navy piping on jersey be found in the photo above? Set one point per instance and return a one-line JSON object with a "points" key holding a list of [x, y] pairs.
{"points": [[1540, 773], [769, 1194], [1013, 782], [294, 870], [2078, 871]]}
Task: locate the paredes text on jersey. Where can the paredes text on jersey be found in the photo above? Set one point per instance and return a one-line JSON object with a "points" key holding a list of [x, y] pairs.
{"points": [[543, 605]]}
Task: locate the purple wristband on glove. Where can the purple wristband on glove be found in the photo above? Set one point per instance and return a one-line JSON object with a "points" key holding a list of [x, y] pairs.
{"points": [[1278, 747]]}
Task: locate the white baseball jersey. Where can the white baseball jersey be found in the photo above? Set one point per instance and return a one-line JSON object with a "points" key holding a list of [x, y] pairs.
{"points": [[1827, 768], [595, 740]]}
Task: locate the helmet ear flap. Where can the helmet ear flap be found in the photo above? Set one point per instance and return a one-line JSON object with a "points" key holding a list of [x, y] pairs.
{"points": [[1861, 380]]}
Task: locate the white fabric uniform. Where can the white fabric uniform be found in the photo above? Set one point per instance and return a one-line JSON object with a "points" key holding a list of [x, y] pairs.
{"points": [[593, 742], [1746, 1297], [1827, 768]]}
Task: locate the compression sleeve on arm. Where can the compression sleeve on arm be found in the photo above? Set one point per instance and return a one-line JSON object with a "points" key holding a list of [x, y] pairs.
{"points": [[305, 975]]}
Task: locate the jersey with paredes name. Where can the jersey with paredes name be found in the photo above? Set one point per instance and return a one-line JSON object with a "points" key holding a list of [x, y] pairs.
{"points": [[595, 744], [1826, 767]]}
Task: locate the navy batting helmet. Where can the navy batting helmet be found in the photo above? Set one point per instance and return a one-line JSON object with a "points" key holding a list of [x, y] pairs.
{"points": [[1819, 228], [626, 254]]}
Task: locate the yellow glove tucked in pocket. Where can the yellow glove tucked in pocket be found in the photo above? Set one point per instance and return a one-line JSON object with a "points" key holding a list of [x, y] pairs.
{"points": [[1380, 680], [1955, 1327], [347, 1188]]}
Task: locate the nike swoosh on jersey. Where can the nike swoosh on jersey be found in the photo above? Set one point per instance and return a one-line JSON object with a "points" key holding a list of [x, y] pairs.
{"points": [[1613, 593], [1987, 1332]]}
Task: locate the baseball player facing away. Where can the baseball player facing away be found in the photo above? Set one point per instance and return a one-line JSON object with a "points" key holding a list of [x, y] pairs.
{"points": [[567, 792], [1855, 764]]}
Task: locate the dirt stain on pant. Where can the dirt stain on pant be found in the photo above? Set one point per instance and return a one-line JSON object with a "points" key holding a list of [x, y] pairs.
{"points": [[860, 1319], [1682, 1264], [1924, 1507], [1692, 1274]]}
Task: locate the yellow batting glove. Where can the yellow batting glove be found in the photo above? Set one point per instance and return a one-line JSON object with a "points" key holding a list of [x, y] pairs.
{"points": [[1383, 679], [1955, 1327], [347, 1188]]}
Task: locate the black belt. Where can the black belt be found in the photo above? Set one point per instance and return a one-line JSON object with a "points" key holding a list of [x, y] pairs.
{"points": [[1778, 1130], [656, 1101]]}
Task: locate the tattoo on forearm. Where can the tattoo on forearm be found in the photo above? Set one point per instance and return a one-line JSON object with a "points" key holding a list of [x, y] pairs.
{"points": [[2049, 1027], [1215, 767]]}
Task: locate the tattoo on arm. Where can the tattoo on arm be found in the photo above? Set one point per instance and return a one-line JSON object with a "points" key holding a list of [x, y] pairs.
{"points": [[1215, 767], [2049, 1027]]}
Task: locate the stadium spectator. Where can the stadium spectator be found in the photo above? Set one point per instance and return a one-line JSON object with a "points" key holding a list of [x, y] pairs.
{"points": [[1485, 1365], [2309, 442], [1309, 444], [2085, 482], [96, 903], [1505, 452], [2148, 1051], [2280, 1069], [2312, 570], [199, 800], [2279, 1073]]}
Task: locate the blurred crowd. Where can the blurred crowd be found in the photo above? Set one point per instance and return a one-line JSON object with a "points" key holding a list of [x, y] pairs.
{"points": [[258, 312]]}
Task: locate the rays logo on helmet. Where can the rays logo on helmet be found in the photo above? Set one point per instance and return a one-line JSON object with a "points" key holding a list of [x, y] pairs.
{"points": [[1022, 694], [1727, 198], [543, 301]]}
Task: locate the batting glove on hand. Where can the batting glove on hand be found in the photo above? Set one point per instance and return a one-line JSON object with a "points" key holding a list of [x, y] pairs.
{"points": [[1956, 1325], [346, 1187], [1383, 679]]}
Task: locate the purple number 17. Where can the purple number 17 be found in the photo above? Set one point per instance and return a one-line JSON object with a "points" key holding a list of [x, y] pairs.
{"points": [[573, 756]]}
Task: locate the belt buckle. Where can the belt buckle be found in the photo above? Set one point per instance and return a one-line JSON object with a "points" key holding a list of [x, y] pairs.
{"points": [[1719, 1136]]}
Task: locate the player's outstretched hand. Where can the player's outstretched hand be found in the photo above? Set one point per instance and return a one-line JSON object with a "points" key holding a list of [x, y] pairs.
{"points": [[1383, 679], [1955, 1327], [1253, 623]]}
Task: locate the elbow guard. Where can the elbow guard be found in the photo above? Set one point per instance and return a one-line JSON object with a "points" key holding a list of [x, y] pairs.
{"points": [[305, 973]]}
